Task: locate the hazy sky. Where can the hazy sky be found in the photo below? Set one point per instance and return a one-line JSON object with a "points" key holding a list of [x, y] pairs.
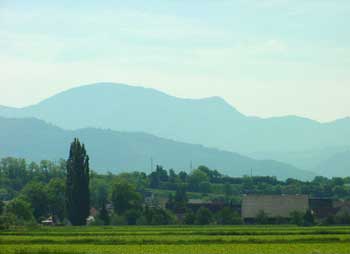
{"points": [[265, 57]]}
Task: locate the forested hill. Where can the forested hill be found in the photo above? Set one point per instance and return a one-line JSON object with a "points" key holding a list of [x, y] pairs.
{"points": [[210, 121], [115, 151]]}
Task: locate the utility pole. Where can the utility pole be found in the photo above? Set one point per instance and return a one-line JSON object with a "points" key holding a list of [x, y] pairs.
{"points": [[251, 173], [191, 167]]}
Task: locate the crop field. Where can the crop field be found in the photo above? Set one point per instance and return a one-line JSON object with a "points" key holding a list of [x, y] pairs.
{"points": [[177, 240]]}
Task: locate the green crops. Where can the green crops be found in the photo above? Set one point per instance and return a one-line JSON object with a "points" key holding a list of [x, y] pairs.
{"points": [[177, 240]]}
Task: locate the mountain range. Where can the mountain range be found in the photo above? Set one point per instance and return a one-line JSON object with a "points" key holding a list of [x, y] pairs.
{"points": [[302, 142], [115, 151]]}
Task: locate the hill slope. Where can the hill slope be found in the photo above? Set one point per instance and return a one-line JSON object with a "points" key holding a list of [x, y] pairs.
{"points": [[336, 165], [119, 151], [209, 121]]}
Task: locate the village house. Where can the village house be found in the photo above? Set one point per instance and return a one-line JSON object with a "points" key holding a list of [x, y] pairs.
{"points": [[274, 206], [213, 206]]}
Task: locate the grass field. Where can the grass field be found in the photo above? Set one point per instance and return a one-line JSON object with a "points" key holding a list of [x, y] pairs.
{"points": [[177, 240]]}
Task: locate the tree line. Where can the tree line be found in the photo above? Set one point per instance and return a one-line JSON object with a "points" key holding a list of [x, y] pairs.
{"points": [[66, 190]]}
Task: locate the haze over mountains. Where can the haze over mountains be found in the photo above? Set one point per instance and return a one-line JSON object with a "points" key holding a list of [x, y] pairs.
{"points": [[125, 151], [305, 143]]}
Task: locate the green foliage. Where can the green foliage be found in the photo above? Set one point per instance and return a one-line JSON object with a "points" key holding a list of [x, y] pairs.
{"points": [[343, 218], [157, 216], [118, 220], [124, 197], [262, 218], [42, 187], [227, 216], [189, 218], [77, 184], [36, 195], [178, 202], [2, 207], [98, 193], [56, 198], [203, 216], [21, 209], [297, 218], [196, 180], [309, 219], [103, 215]]}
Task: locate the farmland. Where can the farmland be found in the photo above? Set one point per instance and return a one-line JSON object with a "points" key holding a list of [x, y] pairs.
{"points": [[176, 239]]}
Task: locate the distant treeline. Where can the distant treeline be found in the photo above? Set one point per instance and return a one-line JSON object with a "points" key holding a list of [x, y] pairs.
{"points": [[31, 192]]}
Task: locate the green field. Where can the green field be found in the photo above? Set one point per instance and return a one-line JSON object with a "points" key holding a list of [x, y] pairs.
{"points": [[177, 240]]}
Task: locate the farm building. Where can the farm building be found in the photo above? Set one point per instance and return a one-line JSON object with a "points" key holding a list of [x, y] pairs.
{"points": [[322, 207], [195, 204], [274, 206]]}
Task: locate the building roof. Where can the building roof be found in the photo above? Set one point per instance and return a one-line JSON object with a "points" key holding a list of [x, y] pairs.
{"points": [[273, 205], [196, 201]]}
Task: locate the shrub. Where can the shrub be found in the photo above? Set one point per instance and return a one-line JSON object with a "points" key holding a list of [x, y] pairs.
{"points": [[203, 216]]}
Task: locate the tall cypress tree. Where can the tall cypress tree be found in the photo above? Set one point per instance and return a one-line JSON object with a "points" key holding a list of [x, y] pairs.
{"points": [[77, 184]]}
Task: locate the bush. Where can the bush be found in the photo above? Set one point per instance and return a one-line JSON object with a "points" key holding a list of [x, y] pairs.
{"points": [[20, 209], [203, 216], [157, 216], [262, 218], [297, 218], [131, 216], [227, 216], [118, 220], [343, 218], [309, 219], [2, 207], [6, 221], [97, 222], [189, 218]]}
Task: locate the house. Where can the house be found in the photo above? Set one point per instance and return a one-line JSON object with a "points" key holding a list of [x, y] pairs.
{"points": [[322, 207], [274, 206], [341, 207], [213, 206], [93, 212], [109, 208], [90, 220], [48, 222], [153, 200]]}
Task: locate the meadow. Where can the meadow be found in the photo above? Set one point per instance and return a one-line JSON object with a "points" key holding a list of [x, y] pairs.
{"points": [[176, 240]]}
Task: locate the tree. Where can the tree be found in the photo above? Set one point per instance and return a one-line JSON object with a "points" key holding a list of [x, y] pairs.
{"points": [[56, 198], [297, 218], [228, 190], [203, 216], [262, 218], [104, 216], [343, 218], [36, 194], [98, 193], [226, 216], [132, 215], [309, 219], [189, 218], [180, 198], [124, 197], [158, 216], [21, 209], [77, 184], [2, 207], [196, 178], [154, 180]]}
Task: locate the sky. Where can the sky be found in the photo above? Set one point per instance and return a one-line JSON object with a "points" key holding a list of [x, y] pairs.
{"points": [[265, 57]]}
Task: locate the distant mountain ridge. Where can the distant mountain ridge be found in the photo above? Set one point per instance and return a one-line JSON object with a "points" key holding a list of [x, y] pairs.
{"points": [[210, 121], [121, 151]]}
